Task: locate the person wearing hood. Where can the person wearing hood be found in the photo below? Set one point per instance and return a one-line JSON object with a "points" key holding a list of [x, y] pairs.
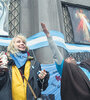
{"points": [[75, 78]]}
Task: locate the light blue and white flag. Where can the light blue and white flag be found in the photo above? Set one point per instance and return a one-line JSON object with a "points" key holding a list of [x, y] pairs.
{"points": [[54, 83], [39, 40]]}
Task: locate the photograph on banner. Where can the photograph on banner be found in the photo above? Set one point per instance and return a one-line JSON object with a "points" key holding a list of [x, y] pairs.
{"points": [[80, 20], [4, 12]]}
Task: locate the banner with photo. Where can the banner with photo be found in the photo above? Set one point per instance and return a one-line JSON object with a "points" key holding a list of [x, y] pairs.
{"points": [[4, 11], [80, 19]]}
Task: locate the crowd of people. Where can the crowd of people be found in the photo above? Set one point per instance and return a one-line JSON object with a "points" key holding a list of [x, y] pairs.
{"points": [[24, 79]]}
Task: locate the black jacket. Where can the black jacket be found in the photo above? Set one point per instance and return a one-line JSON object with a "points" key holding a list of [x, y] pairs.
{"points": [[35, 82]]}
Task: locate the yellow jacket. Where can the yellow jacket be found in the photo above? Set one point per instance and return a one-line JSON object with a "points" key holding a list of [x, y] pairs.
{"points": [[18, 84]]}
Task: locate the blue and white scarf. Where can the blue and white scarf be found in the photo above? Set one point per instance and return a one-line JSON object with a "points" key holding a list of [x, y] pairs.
{"points": [[19, 58]]}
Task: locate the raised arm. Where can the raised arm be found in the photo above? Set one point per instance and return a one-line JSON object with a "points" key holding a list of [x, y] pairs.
{"points": [[54, 48]]}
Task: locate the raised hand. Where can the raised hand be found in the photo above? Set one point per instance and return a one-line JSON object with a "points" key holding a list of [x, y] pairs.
{"points": [[45, 30]]}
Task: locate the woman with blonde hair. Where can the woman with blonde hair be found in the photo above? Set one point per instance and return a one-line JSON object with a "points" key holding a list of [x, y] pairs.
{"points": [[24, 78]]}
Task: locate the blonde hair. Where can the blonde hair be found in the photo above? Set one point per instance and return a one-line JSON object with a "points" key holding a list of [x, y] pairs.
{"points": [[11, 48]]}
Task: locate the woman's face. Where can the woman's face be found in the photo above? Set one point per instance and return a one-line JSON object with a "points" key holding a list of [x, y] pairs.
{"points": [[70, 60], [20, 44]]}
